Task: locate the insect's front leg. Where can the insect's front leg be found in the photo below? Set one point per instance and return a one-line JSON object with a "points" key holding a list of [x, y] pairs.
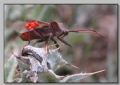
{"points": [[62, 40], [63, 34]]}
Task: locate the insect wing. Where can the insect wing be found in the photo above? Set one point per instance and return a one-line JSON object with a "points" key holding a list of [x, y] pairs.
{"points": [[35, 34], [30, 35]]}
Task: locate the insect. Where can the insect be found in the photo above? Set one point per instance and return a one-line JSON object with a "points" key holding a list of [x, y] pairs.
{"points": [[46, 31]]}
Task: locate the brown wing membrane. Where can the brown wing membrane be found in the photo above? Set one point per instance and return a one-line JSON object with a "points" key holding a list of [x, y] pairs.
{"points": [[35, 34]]}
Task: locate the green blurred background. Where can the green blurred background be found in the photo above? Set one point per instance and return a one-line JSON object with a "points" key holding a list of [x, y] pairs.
{"points": [[89, 53]]}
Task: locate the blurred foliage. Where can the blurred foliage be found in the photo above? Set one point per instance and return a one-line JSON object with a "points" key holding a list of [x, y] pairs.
{"points": [[64, 70], [89, 53], [10, 68]]}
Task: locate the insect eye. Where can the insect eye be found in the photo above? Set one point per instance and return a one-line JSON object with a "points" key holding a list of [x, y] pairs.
{"points": [[32, 25]]}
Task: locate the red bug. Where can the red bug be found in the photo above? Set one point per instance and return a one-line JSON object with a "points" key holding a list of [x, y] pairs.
{"points": [[45, 32]]}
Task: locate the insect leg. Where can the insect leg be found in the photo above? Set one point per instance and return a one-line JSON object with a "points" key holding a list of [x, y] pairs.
{"points": [[38, 41], [47, 42], [46, 46], [64, 41], [55, 42], [63, 34], [60, 34]]}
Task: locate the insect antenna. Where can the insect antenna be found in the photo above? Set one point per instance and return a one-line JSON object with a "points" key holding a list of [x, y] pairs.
{"points": [[87, 31]]}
